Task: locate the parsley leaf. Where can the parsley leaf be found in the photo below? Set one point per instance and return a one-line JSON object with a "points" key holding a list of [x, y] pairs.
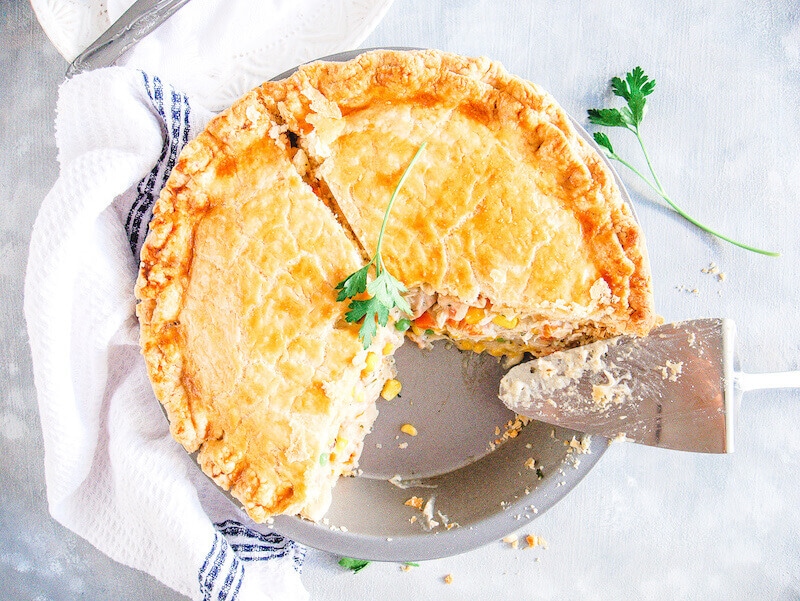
{"points": [[634, 90], [607, 117], [356, 565], [384, 292], [603, 141], [355, 284]]}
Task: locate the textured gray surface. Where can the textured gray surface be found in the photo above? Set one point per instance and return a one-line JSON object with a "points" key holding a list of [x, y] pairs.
{"points": [[39, 559], [724, 132]]}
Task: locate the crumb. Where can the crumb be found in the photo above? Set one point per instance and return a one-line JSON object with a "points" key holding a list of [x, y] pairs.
{"points": [[580, 445], [712, 269], [512, 540], [671, 370], [415, 502], [405, 567], [683, 288], [530, 463], [402, 445], [448, 579], [512, 429], [535, 541]]}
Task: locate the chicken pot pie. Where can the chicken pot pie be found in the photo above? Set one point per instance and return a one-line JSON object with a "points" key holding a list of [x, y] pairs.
{"points": [[509, 233]]}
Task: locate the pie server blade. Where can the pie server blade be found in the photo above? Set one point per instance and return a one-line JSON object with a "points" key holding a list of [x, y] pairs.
{"points": [[677, 388]]}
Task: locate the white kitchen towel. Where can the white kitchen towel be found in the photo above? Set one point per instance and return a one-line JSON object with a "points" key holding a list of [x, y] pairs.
{"points": [[114, 475], [216, 50]]}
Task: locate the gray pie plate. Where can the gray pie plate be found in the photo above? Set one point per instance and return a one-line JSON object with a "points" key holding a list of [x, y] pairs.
{"points": [[480, 477]]}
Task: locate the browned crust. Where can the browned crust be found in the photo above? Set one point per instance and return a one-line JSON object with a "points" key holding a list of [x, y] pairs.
{"points": [[265, 448], [493, 95], [481, 88]]}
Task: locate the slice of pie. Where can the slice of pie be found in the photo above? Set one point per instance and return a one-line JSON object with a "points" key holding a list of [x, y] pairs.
{"points": [[244, 341], [509, 233]]}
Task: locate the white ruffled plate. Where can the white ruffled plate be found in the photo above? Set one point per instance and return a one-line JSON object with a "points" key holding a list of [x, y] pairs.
{"points": [[217, 50]]}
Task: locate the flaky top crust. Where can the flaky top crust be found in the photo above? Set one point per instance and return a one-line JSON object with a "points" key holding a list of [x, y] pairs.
{"points": [[507, 202], [245, 344], [282, 197]]}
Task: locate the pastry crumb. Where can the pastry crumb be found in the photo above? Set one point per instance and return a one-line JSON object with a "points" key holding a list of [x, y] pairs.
{"points": [[415, 502], [535, 541], [448, 579], [512, 429], [712, 269]]}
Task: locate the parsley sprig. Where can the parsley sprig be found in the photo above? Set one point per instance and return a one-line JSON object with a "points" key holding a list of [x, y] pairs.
{"points": [[635, 89], [356, 565], [384, 292]]}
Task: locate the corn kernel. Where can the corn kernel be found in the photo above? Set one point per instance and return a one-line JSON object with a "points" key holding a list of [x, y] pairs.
{"points": [[408, 429], [474, 315], [371, 362], [388, 348], [341, 443], [505, 322], [391, 389]]}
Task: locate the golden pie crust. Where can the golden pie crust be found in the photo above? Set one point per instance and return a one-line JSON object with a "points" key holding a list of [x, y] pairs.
{"points": [[508, 211]]}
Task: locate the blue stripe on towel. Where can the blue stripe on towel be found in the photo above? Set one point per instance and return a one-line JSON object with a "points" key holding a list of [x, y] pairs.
{"points": [[175, 129], [221, 574], [251, 545], [234, 545]]}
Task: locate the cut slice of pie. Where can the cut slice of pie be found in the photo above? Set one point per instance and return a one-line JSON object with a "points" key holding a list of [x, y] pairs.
{"points": [[509, 233], [245, 343]]}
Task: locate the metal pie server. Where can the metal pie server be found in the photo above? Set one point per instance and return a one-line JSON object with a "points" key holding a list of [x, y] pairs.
{"points": [[139, 20], [677, 388]]}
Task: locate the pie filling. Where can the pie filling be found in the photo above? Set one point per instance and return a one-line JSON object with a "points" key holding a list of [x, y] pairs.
{"points": [[480, 327], [358, 414]]}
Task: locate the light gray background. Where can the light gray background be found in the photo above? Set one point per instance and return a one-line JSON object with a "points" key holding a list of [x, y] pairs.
{"points": [[724, 133]]}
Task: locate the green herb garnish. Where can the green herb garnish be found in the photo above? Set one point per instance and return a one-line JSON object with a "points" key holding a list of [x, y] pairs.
{"points": [[384, 293], [356, 565], [635, 89]]}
